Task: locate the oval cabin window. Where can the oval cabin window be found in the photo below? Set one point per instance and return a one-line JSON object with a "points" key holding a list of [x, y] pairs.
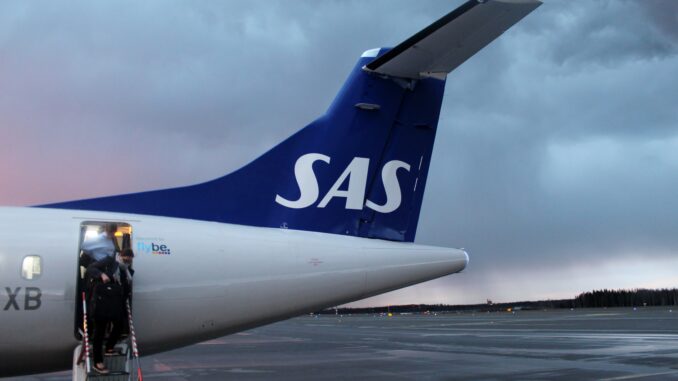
{"points": [[31, 268]]}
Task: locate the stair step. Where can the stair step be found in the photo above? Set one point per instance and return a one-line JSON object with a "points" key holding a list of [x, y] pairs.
{"points": [[116, 363], [118, 366], [112, 376]]}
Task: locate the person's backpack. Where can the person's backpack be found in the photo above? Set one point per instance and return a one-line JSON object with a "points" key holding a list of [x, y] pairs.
{"points": [[107, 301]]}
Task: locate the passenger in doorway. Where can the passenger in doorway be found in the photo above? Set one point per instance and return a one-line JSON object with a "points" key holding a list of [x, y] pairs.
{"points": [[102, 245], [111, 283]]}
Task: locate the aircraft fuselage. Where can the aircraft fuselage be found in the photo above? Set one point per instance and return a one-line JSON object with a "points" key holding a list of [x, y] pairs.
{"points": [[194, 280]]}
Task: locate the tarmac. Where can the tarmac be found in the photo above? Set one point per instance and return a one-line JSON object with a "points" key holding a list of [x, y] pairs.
{"points": [[583, 344]]}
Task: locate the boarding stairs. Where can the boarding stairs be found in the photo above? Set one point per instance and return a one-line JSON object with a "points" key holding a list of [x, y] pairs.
{"points": [[122, 366], [119, 366]]}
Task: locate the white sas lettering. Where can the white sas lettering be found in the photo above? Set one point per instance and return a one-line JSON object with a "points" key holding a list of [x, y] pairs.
{"points": [[308, 184], [357, 182], [356, 173], [391, 186]]}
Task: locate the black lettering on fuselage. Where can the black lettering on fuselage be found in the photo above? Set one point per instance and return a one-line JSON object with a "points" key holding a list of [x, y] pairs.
{"points": [[32, 299], [12, 298]]}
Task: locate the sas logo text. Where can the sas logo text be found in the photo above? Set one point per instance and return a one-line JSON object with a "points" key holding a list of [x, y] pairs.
{"points": [[153, 248], [356, 173]]}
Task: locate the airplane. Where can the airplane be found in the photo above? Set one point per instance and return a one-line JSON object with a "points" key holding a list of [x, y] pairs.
{"points": [[328, 216]]}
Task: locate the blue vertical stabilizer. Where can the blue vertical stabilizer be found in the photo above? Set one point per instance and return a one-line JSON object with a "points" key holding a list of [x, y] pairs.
{"points": [[359, 170]]}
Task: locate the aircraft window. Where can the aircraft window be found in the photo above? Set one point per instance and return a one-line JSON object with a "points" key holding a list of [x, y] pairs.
{"points": [[31, 267]]}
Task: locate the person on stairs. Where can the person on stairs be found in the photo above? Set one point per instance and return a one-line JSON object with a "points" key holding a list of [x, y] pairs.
{"points": [[110, 280]]}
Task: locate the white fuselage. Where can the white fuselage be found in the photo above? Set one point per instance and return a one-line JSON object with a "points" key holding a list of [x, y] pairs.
{"points": [[212, 279]]}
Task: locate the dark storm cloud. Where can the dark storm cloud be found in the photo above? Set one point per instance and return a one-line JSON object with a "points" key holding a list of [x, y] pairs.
{"points": [[560, 144], [664, 15], [607, 32], [556, 144]]}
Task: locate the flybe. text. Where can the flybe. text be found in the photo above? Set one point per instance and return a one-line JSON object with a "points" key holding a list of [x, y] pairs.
{"points": [[153, 248], [356, 173]]}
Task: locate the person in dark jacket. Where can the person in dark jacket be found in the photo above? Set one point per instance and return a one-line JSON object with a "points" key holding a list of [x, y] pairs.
{"points": [[110, 281]]}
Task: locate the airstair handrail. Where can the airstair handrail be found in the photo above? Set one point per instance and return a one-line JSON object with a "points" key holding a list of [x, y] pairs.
{"points": [[133, 339], [85, 336]]}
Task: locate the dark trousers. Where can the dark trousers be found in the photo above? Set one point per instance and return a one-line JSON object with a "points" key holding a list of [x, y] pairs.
{"points": [[99, 334]]}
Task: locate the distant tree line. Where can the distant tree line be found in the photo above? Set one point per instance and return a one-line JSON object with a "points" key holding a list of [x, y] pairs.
{"points": [[443, 308], [598, 298], [627, 298]]}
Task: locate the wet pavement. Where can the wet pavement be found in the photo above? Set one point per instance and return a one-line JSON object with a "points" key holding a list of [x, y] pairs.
{"points": [[586, 344]]}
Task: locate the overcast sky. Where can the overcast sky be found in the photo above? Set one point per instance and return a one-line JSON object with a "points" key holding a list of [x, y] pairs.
{"points": [[555, 165]]}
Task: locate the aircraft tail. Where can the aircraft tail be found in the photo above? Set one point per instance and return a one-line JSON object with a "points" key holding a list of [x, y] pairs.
{"points": [[361, 168]]}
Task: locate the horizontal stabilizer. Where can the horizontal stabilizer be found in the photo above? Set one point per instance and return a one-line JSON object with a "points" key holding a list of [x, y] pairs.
{"points": [[447, 43]]}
